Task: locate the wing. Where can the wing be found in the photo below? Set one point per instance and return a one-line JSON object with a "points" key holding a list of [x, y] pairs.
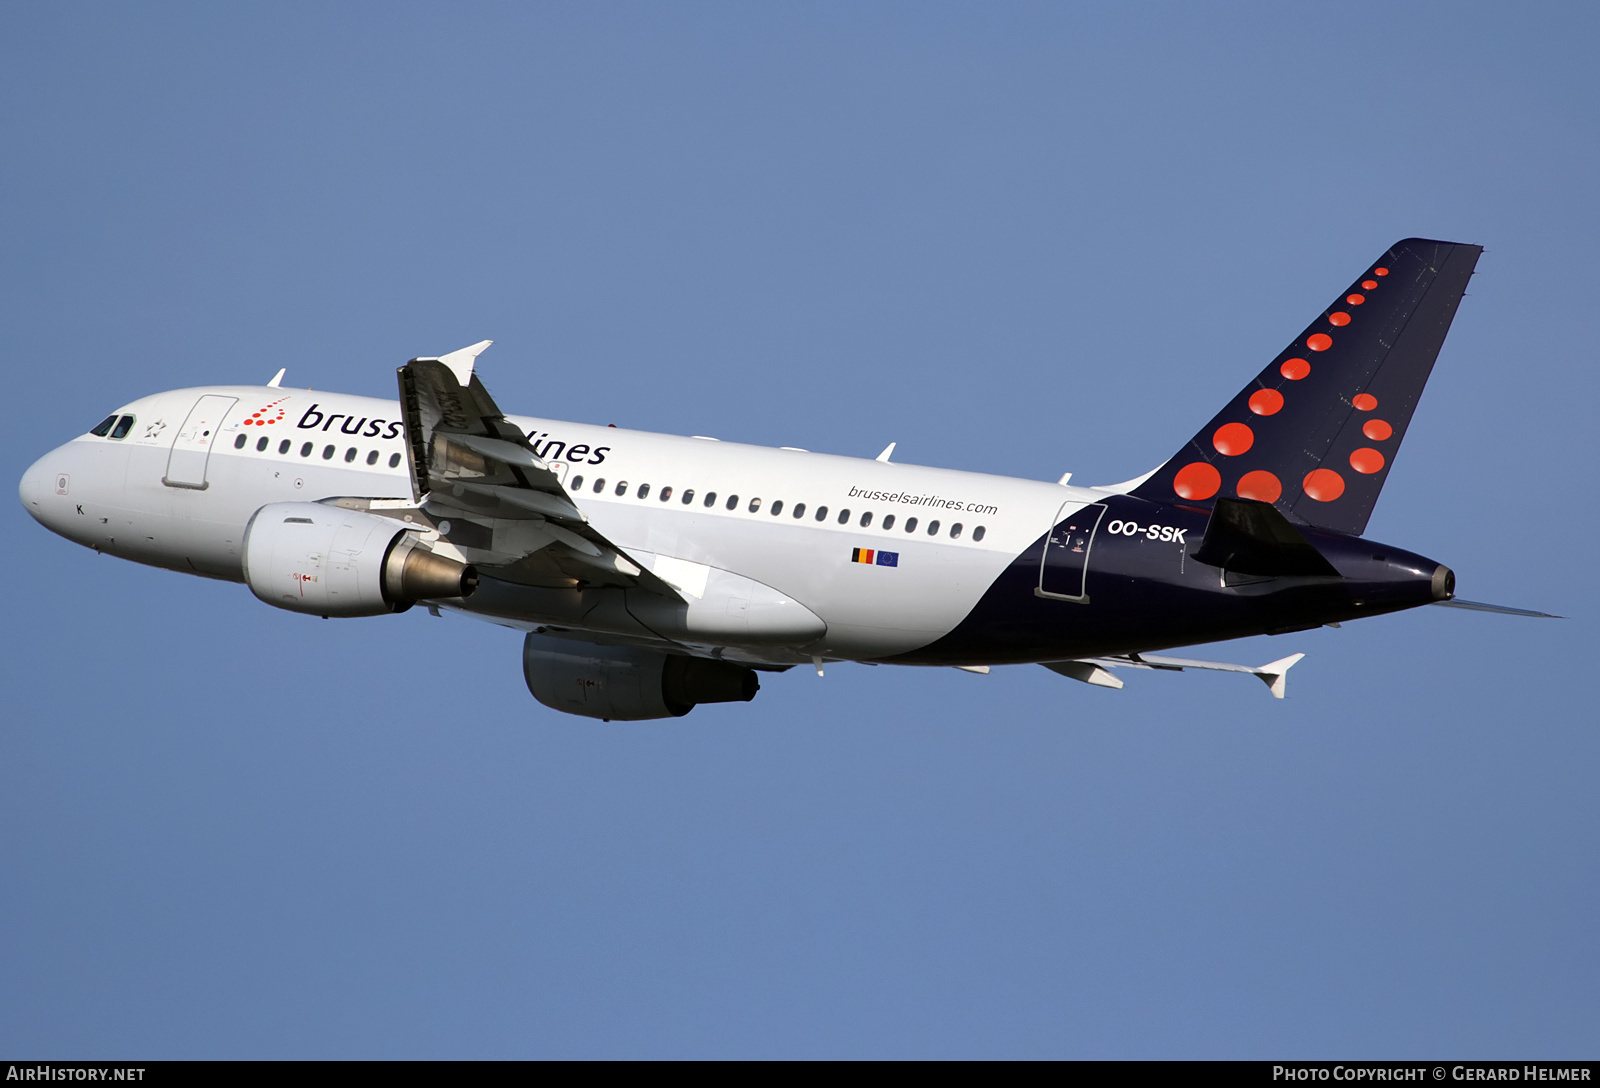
{"points": [[475, 470]]}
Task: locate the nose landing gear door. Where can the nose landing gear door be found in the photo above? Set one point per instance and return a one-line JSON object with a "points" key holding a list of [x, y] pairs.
{"points": [[191, 449], [1064, 569]]}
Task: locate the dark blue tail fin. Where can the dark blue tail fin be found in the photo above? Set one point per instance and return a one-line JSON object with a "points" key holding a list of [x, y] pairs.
{"points": [[1316, 432]]}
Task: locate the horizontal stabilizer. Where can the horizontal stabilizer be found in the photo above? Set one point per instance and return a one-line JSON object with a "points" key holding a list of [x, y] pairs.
{"points": [[1093, 670], [1479, 606], [1255, 538]]}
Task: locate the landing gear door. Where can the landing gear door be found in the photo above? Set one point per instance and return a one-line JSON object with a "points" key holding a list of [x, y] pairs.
{"points": [[191, 449], [1064, 569]]}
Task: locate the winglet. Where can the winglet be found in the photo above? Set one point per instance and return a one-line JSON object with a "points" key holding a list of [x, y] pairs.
{"points": [[884, 456], [278, 377], [1275, 674], [460, 362]]}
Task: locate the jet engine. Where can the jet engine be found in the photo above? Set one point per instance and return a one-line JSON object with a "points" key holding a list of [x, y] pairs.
{"points": [[623, 683], [326, 561]]}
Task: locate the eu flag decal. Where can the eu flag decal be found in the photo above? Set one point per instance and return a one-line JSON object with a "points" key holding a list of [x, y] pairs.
{"points": [[888, 559]]}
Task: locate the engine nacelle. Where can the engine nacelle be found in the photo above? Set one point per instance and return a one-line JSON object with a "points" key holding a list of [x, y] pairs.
{"points": [[325, 561], [622, 683]]}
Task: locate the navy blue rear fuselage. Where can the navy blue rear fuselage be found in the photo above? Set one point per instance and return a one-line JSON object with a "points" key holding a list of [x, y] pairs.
{"points": [[1126, 580]]}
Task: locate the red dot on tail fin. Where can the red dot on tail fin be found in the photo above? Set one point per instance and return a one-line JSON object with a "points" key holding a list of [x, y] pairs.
{"points": [[1266, 402], [1364, 401], [1319, 341], [1366, 460], [1294, 369], [1197, 480], [1260, 485], [1232, 439], [1324, 484]]}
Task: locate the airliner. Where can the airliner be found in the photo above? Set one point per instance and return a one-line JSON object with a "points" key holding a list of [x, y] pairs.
{"points": [[649, 573]]}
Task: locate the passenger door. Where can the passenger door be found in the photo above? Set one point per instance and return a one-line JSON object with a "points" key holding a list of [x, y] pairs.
{"points": [[191, 449], [1064, 568]]}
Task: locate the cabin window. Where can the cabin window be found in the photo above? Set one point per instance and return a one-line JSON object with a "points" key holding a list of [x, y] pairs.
{"points": [[733, 502], [372, 457], [711, 499], [238, 443], [394, 460], [599, 486], [622, 487], [977, 534], [644, 491], [283, 447], [104, 427], [666, 493], [349, 455], [577, 483], [305, 450], [755, 505], [866, 519], [261, 444], [911, 525], [933, 528], [955, 531], [822, 513], [327, 453], [888, 521], [688, 496], [777, 506], [799, 509], [844, 517]]}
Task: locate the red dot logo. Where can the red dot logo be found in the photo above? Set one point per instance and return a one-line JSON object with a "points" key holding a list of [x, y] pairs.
{"points": [[1377, 430], [272, 413], [1380, 271], [1355, 300], [1364, 401], [1294, 369], [1232, 439], [1319, 341], [1366, 460], [1266, 402], [1260, 485], [1369, 285], [1339, 319], [1197, 480], [1324, 484]]}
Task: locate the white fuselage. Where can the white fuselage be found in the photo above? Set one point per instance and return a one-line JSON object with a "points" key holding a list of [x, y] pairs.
{"points": [[169, 495]]}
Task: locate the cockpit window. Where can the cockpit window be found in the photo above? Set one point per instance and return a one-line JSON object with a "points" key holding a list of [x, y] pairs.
{"points": [[124, 425], [105, 426]]}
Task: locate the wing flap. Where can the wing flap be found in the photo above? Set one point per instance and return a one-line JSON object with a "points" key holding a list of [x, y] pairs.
{"points": [[469, 463]]}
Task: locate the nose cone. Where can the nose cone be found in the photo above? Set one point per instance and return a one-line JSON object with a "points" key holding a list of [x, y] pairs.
{"points": [[37, 483]]}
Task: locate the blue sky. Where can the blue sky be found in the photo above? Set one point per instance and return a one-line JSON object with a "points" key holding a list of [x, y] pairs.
{"points": [[1014, 238]]}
